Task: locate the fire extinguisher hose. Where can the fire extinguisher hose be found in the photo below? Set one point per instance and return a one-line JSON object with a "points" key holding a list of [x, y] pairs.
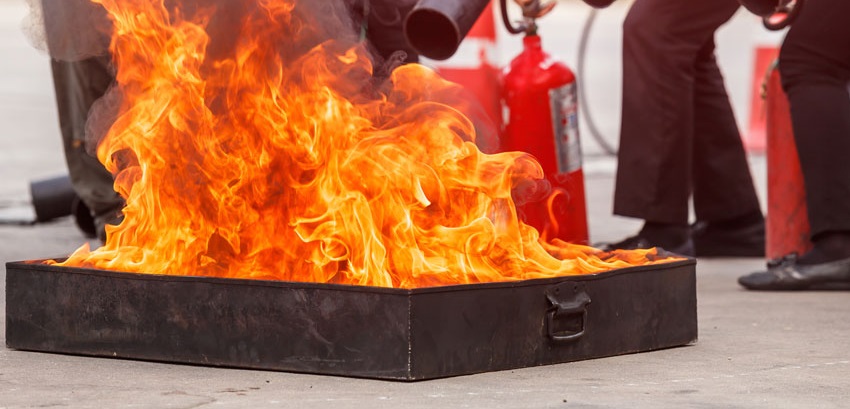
{"points": [[581, 84]]}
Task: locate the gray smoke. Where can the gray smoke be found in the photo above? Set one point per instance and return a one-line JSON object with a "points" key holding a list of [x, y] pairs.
{"points": [[73, 30], [76, 30], [69, 30]]}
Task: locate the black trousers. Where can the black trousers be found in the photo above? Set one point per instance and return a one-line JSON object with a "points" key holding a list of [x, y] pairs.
{"points": [[678, 133], [78, 84], [815, 66]]}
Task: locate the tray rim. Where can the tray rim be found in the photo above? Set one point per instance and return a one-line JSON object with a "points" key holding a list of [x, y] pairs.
{"points": [[38, 265]]}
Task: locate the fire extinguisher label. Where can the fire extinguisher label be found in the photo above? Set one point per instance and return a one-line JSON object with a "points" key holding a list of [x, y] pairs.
{"points": [[564, 106]]}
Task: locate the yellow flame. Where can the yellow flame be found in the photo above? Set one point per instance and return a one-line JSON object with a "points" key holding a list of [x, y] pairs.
{"points": [[262, 162]]}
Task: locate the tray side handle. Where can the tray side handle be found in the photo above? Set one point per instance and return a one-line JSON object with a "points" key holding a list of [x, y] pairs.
{"points": [[568, 302]]}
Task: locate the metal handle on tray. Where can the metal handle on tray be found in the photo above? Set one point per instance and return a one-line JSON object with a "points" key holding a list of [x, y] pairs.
{"points": [[566, 303]]}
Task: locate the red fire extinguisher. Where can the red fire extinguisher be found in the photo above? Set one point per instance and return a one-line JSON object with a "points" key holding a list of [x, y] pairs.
{"points": [[541, 118]]}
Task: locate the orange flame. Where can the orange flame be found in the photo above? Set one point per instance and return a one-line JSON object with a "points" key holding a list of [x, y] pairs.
{"points": [[263, 162]]}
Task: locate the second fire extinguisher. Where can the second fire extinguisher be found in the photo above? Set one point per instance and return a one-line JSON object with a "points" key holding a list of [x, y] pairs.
{"points": [[541, 118]]}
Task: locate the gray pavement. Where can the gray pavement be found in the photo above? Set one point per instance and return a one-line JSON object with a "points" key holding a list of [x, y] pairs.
{"points": [[755, 350]]}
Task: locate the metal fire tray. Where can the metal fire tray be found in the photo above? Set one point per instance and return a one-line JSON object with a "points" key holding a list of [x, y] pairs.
{"points": [[349, 330]]}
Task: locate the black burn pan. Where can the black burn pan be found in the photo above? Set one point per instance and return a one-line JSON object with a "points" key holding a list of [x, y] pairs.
{"points": [[382, 333]]}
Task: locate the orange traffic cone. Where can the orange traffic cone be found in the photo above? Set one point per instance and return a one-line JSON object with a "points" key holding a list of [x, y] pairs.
{"points": [[756, 138], [787, 220]]}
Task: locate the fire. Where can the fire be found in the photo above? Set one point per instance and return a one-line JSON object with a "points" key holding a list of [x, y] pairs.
{"points": [[278, 158]]}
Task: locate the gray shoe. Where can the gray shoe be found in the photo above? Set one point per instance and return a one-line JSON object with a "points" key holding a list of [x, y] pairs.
{"points": [[787, 275]]}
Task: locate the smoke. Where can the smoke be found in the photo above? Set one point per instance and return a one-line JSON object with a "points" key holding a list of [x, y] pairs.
{"points": [[69, 30], [74, 30], [77, 30]]}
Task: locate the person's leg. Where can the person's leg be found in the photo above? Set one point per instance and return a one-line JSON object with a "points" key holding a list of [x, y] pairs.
{"points": [[662, 40], [77, 37], [78, 85], [815, 66], [729, 218]]}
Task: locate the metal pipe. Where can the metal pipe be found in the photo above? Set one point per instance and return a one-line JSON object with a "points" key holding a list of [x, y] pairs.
{"points": [[52, 198], [435, 28], [55, 197]]}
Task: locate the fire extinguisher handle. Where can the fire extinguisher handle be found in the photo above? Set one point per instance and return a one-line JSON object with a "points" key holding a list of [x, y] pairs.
{"points": [[783, 16], [531, 10], [507, 21]]}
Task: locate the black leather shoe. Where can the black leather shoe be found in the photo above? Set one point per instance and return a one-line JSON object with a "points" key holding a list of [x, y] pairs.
{"points": [[711, 240], [686, 248], [787, 275]]}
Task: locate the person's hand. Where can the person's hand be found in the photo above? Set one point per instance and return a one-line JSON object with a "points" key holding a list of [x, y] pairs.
{"points": [[599, 4], [533, 8], [762, 8]]}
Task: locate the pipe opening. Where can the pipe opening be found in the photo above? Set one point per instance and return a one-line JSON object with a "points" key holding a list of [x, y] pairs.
{"points": [[432, 34]]}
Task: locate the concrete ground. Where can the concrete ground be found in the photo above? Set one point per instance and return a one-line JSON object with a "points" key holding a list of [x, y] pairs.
{"points": [[755, 350]]}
